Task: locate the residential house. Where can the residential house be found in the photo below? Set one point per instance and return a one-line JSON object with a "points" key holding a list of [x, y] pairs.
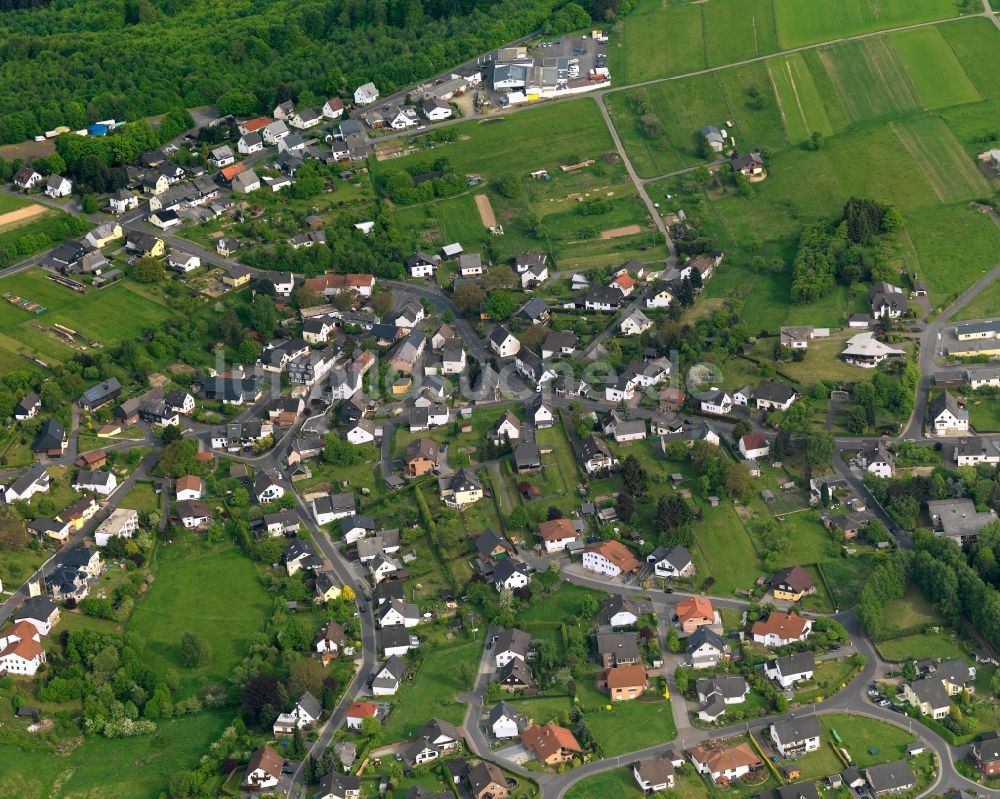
{"points": [[504, 721], [674, 562], [654, 775], [754, 445], [358, 712], [27, 178], [330, 639], [694, 612], [559, 344], [781, 629], [27, 407], [715, 693], [333, 108], [331, 507], [264, 769], [100, 395], [39, 611], [300, 556], [618, 611], [610, 558], [890, 778], [716, 401], [488, 781], [595, 455], [985, 754], [749, 165], [189, 487], [335, 785], [21, 652], [354, 528], [791, 584], [550, 743], [462, 489], [422, 265], [193, 513], [929, 696], [725, 763], [305, 713], [34, 481], [774, 396], [790, 669], [102, 483], [887, 301], [366, 94], [510, 574], [959, 519], [947, 416], [511, 644], [122, 523], [796, 735], [635, 323], [515, 676], [267, 487], [503, 342], [421, 457], [876, 459], [556, 534], [706, 648], [387, 677], [618, 649], [603, 298]]}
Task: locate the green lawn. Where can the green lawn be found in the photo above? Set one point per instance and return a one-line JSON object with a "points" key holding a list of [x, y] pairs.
{"points": [[10, 202], [860, 734], [912, 610], [564, 602], [821, 763], [923, 645], [194, 591], [725, 551], [802, 22], [432, 692], [143, 498], [829, 677], [984, 415], [617, 782], [123, 767], [628, 726]]}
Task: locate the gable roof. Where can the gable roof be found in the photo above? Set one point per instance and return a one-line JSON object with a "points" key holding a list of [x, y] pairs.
{"points": [[267, 760], [796, 728], [549, 739], [703, 635], [795, 577], [694, 607], [784, 625]]}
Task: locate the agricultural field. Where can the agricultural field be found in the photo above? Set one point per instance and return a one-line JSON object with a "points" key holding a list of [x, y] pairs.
{"points": [[802, 22], [934, 68], [193, 592], [945, 166], [986, 305], [799, 102], [24, 332]]}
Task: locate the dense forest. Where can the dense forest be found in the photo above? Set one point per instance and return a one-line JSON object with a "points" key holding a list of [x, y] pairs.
{"points": [[71, 62]]}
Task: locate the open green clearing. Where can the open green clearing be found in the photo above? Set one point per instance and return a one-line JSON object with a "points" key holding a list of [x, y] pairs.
{"points": [[869, 78], [142, 497], [934, 68], [846, 577], [802, 22], [922, 645], [87, 314], [10, 202], [101, 767], [193, 592], [432, 692]]}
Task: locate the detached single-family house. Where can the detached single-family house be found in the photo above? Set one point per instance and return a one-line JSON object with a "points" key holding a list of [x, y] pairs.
{"points": [[754, 445], [27, 178], [595, 455], [264, 769], [715, 693], [788, 670], [556, 534], [717, 401], [887, 301], [674, 562], [725, 764], [774, 396], [550, 743], [503, 342], [694, 612], [794, 736], [27, 407], [618, 611], [654, 775], [387, 677], [58, 186], [504, 721], [511, 644], [929, 696], [102, 483], [706, 648], [366, 94], [890, 778], [947, 416], [34, 481], [635, 323], [21, 652], [461, 490]]}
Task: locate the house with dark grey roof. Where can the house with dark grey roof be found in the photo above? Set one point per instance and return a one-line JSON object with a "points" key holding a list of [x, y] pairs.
{"points": [[796, 735]]}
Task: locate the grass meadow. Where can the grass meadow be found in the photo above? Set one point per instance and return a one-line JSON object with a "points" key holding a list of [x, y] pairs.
{"points": [[21, 331], [193, 592], [101, 767]]}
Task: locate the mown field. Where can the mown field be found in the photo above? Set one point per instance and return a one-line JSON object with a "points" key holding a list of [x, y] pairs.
{"points": [[802, 22], [88, 314]]}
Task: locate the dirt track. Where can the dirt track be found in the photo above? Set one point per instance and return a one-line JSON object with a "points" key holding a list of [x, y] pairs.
{"points": [[19, 216], [486, 214], [614, 233]]}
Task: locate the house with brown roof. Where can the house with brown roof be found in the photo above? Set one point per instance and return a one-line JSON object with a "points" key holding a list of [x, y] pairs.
{"points": [[550, 743], [263, 770], [556, 534], [610, 558], [781, 629], [94, 459], [190, 487], [421, 457], [694, 612], [625, 682], [791, 584], [488, 781], [724, 764]]}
